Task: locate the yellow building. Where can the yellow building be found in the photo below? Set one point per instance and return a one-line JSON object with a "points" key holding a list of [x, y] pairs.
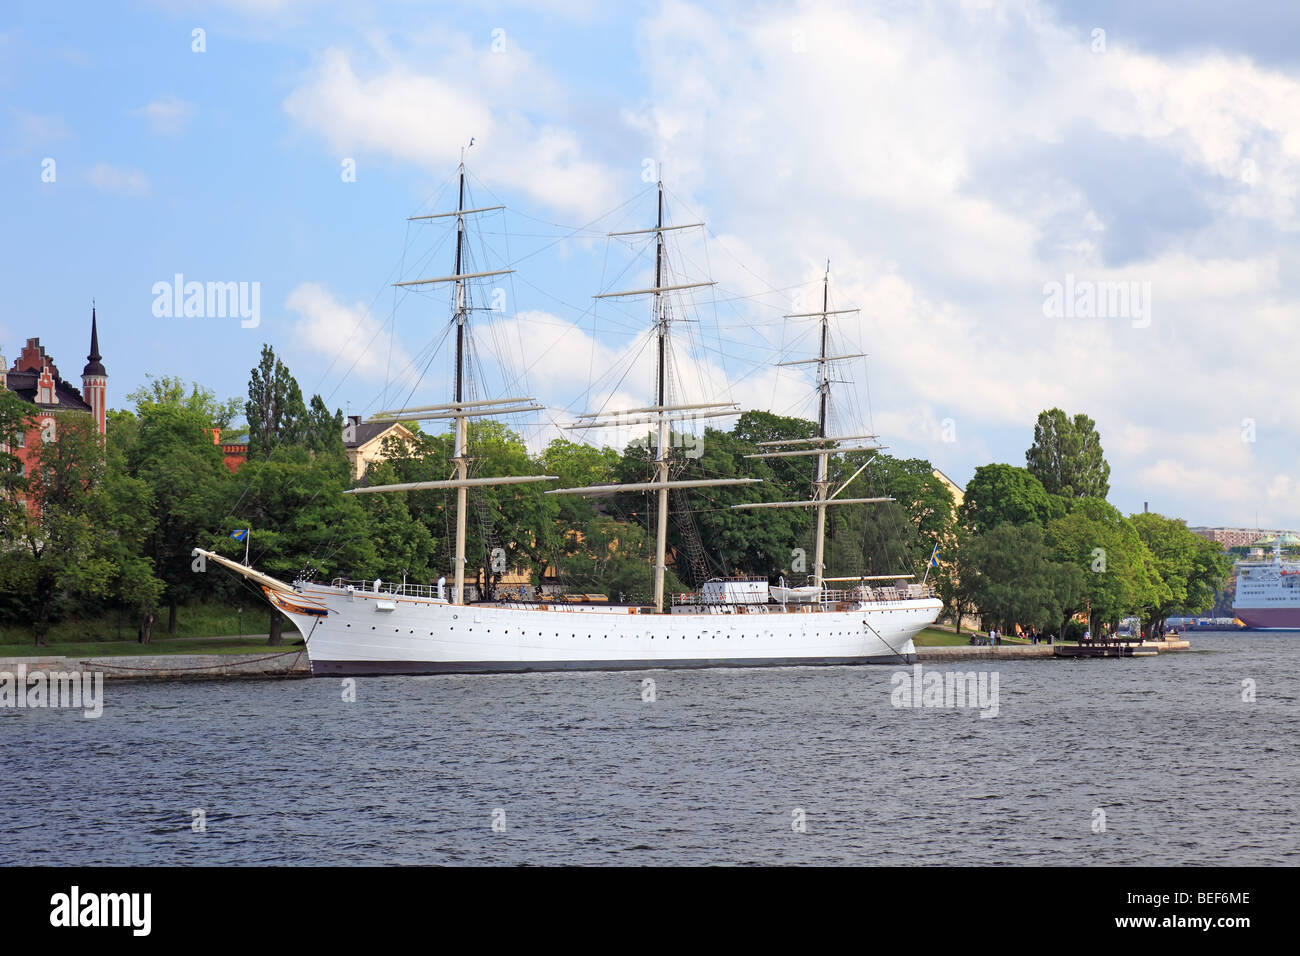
{"points": [[364, 442], [958, 493]]}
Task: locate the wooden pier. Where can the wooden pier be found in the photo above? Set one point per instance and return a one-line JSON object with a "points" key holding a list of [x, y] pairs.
{"points": [[1118, 648]]}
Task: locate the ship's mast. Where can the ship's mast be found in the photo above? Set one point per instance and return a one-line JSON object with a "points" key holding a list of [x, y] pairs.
{"points": [[823, 458], [459, 411], [823, 445], [661, 413], [661, 443], [460, 459]]}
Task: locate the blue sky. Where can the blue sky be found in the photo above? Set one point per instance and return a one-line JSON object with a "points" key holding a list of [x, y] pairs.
{"points": [[952, 160]]}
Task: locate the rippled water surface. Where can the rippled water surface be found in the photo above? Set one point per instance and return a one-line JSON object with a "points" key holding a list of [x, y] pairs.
{"points": [[580, 769]]}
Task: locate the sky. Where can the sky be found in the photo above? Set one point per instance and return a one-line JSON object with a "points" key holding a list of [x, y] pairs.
{"points": [[1090, 205]]}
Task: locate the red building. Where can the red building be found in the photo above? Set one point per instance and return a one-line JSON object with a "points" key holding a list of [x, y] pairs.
{"points": [[233, 453], [35, 378]]}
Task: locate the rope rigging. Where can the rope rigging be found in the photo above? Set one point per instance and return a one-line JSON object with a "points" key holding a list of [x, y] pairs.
{"points": [[696, 367]]}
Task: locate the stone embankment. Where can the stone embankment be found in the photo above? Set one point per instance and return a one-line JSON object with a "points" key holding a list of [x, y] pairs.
{"points": [[1006, 652], [292, 663]]}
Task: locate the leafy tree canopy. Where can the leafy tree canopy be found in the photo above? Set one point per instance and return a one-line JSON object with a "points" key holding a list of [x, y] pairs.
{"points": [[1066, 456], [172, 390], [999, 493], [1120, 575], [1011, 575]]}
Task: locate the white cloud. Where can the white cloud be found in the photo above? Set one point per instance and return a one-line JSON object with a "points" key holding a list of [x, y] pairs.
{"points": [[122, 180], [167, 116], [939, 157], [422, 117], [892, 140], [353, 340], [33, 131]]}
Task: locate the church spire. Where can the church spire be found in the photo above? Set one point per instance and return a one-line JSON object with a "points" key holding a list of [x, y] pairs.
{"points": [[93, 366]]}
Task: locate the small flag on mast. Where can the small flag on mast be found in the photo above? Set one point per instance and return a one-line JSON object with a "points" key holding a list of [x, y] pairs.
{"points": [[245, 535], [934, 555]]}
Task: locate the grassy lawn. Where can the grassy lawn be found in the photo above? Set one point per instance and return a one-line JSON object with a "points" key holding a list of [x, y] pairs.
{"points": [[942, 637]]}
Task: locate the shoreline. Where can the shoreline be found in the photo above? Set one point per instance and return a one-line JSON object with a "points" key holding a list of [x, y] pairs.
{"points": [[283, 664], [295, 664]]}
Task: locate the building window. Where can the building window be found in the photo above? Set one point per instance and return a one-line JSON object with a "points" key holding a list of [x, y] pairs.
{"points": [[22, 439]]}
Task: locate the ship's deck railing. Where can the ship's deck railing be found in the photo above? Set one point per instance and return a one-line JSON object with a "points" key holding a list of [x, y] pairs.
{"points": [[913, 592], [389, 587]]}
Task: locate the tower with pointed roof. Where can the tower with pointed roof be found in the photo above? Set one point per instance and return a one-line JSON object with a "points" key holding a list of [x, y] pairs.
{"points": [[94, 380]]}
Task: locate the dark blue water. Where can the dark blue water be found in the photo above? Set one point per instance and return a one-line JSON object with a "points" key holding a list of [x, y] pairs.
{"points": [[1185, 771]]}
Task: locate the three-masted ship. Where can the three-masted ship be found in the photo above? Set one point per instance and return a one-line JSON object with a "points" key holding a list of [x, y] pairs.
{"points": [[354, 627]]}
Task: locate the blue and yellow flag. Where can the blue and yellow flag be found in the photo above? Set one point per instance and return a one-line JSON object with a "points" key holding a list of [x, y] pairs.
{"points": [[239, 534]]}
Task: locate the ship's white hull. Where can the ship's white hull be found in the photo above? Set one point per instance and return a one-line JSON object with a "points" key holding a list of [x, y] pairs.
{"points": [[354, 632]]}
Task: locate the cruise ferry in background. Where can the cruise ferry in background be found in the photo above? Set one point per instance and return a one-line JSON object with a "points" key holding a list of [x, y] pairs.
{"points": [[1268, 592]]}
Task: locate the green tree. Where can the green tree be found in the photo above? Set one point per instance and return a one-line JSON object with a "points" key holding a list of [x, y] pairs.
{"points": [[999, 493], [303, 526], [790, 477], [873, 539], [321, 432], [172, 390], [519, 520], [887, 537], [54, 544], [275, 409], [1010, 574], [575, 466], [615, 558], [952, 589], [515, 523], [1066, 456], [1191, 567], [402, 545], [759, 541], [1119, 573], [16, 418], [190, 491], [127, 514]]}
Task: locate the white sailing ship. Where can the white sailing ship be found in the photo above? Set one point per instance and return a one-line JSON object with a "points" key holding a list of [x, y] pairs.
{"points": [[353, 627]]}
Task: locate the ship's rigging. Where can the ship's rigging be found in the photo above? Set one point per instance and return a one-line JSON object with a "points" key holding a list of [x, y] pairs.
{"points": [[669, 408]]}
